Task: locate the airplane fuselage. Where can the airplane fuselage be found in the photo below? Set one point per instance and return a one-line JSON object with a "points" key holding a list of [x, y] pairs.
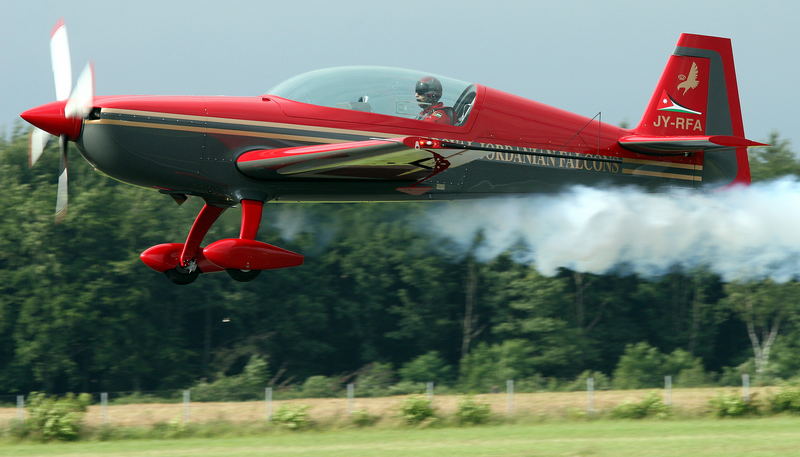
{"points": [[189, 145]]}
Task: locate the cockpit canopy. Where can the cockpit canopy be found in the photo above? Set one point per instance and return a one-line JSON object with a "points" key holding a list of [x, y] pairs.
{"points": [[383, 90]]}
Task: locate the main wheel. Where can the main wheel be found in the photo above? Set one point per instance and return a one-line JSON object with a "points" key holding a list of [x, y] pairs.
{"points": [[182, 276], [243, 275]]}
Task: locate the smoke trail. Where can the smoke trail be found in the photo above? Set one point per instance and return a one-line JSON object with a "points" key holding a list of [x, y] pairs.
{"points": [[294, 221], [290, 222], [740, 233]]}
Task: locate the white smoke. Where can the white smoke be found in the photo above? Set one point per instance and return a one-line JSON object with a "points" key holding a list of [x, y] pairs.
{"points": [[740, 233], [295, 221], [290, 222]]}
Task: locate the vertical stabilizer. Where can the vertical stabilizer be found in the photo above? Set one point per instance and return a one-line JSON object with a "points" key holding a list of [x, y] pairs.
{"points": [[698, 95]]}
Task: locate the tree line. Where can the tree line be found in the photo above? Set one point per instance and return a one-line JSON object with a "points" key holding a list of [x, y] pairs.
{"points": [[80, 312]]}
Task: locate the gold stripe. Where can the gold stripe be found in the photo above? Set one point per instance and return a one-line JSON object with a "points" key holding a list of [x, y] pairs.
{"points": [[662, 175], [225, 120], [186, 128], [688, 166]]}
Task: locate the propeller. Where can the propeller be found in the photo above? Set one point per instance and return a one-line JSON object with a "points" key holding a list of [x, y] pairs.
{"points": [[60, 60], [78, 103], [61, 193]]}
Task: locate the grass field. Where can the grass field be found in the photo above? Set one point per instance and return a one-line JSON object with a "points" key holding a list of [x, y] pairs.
{"points": [[547, 404], [776, 436]]}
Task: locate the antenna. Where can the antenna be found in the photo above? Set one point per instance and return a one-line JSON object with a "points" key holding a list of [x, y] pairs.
{"points": [[599, 117], [599, 126]]}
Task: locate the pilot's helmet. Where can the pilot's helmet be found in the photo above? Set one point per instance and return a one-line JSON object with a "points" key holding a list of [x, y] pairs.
{"points": [[429, 91]]}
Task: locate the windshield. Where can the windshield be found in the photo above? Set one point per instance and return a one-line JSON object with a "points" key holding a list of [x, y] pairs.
{"points": [[383, 90]]}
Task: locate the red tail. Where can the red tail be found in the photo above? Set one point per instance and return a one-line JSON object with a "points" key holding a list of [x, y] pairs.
{"points": [[697, 95]]}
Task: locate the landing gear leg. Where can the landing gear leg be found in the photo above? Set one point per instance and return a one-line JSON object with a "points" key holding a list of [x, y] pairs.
{"points": [[251, 220], [187, 270]]}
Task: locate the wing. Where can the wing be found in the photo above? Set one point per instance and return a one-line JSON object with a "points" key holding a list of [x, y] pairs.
{"points": [[395, 159]]}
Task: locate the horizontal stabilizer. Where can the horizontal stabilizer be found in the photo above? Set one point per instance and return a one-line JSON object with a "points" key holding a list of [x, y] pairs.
{"points": [[673, 145]]}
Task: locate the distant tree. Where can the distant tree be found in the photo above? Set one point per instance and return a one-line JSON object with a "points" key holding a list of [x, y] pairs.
{"points": [[536, 314], [642, 365], [427, 367], [764, 307], [247, 385], [373, 380], [773, 161], [682, 310], [686, 369], [487, 367]]}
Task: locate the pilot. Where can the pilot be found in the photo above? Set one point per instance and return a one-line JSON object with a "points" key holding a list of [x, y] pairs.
{"points": [[429, 91]]}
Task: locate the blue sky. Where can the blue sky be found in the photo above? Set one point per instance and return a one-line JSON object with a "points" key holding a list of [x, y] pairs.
{"points": [[583, 56]]}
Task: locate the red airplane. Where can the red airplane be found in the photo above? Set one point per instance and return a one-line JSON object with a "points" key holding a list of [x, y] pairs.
{"points": [[383, 134]]}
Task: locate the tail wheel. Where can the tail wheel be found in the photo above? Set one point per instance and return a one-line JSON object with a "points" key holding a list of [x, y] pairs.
{"points": [[182, 276], [243, 275]]}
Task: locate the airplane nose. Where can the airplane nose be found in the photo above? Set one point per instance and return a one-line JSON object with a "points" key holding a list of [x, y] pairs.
{"points": [[51, 118]]}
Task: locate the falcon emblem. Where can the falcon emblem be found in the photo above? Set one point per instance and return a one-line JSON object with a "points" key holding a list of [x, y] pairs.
{"points": [[689, 81]]}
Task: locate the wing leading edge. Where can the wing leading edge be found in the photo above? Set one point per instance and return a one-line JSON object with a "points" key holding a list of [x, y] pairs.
{"points": [[394, 159]]}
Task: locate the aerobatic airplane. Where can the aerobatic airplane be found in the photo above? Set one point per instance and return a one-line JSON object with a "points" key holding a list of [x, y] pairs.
{"points": [[361, 134]]}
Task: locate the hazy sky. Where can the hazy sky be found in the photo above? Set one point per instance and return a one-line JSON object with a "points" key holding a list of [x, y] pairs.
{"points": [[583, 56]]}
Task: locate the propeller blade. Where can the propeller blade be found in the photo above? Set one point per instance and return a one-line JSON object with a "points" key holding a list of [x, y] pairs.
{"points": [[60, 60], [62, 194], [81, 100], [39, 140]]}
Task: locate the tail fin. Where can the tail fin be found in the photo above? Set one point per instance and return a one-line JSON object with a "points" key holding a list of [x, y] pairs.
{"points": [[697, 96]]}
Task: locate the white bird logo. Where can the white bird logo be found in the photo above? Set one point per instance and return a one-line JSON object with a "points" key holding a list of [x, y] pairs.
{"points": [[690, 81]]}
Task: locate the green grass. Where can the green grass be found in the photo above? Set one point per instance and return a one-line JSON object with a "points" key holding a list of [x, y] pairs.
{"points": [[776, 436]]}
